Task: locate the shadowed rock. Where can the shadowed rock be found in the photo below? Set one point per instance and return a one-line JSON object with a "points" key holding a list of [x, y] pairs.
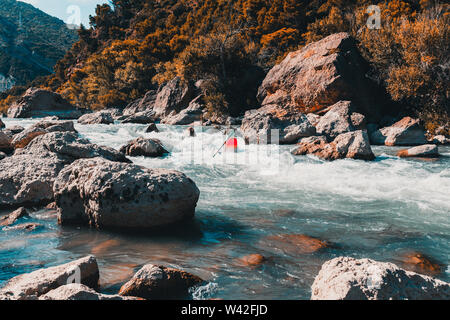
{"points": [[406, 132], [144, 147], [347, 278], [31, 286], [152, 128], [5, 142], [186, 116], [145, 117], [173, 96], [103, 193], [158, 282]]}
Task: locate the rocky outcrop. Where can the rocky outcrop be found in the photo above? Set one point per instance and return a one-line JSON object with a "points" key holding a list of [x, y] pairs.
{"points": [[342, 117], [103, 193], [145, 117], [425, 151], [41, 103], [31, 286], [22, 139], [144, 104], [13, 217], [258, 125], [353, 145], [27, 177], [193, 113], [144, 147], [80, 292], [158, 282], [319, 75], [99, 117], [406, 132], [346, 278], [173, 96]]}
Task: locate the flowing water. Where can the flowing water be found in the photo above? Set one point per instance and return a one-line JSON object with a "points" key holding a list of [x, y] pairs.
{"points": [[378, 210]]}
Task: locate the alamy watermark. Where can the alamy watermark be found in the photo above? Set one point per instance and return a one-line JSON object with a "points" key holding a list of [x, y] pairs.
{"points": [[73, 20], [374, 20]]}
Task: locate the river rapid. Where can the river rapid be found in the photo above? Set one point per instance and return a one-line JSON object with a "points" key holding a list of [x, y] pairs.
{"points": [[379, 210]]}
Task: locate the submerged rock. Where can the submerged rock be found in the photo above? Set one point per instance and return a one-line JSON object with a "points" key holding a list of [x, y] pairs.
{"points": [[100, 117], [144, 147], [103, 193], [342, 117], [319, 75], [420, 263], [24, 227], [425, 151], [13, 217], [31, 286], [298, 243], [158, 283], [346, 278], [406, 132], [353, 145], [252, 260], [41, 103], [80, 292], [257, 126]]}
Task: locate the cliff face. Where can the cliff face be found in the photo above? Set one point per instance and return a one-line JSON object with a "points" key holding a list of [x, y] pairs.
{"points": [[31, 42]]}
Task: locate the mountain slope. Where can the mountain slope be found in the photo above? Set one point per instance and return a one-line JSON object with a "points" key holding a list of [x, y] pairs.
{"points": [[31, 42]]}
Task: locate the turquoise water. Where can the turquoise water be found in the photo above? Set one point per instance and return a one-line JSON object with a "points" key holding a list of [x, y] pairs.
{"points": [[378, 210]]}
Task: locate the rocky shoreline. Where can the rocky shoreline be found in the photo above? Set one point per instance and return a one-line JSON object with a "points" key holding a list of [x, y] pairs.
{"points": [[311, 100]]}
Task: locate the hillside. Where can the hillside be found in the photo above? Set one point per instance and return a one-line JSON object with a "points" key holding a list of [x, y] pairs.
{"points": [[31, 42], [133, 46]]}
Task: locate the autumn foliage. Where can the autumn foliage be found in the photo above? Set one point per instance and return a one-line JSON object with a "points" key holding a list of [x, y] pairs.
{"points": [[136, 45]]}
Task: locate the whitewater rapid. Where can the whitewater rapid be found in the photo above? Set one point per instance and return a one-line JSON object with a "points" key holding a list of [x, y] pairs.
{"points": [[374, 209]]}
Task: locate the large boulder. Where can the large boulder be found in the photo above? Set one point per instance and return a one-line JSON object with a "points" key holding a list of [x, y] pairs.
{"points": [[99, 117], [144, 147], [425, 151], [257, 126], [41, 103], [173, 96], [31, 286], [103, 193], [27, 177], [406, 132], [23, 138], [346, 278], [193, 113], [342, 117], [158, 283], [353, 145], [319, 75], [144, 104], [77, 291]]}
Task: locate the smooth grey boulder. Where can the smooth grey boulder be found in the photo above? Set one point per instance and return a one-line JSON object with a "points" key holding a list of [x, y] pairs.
{"points": [[342, 117], [27, 177], [100, 117], [144, 147], [159, 282], [406, 132], [31, 286], [41, 103], [80, 292], [103, 194], [346, 278], [353, 145], [258, 125], [425, 151]]}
